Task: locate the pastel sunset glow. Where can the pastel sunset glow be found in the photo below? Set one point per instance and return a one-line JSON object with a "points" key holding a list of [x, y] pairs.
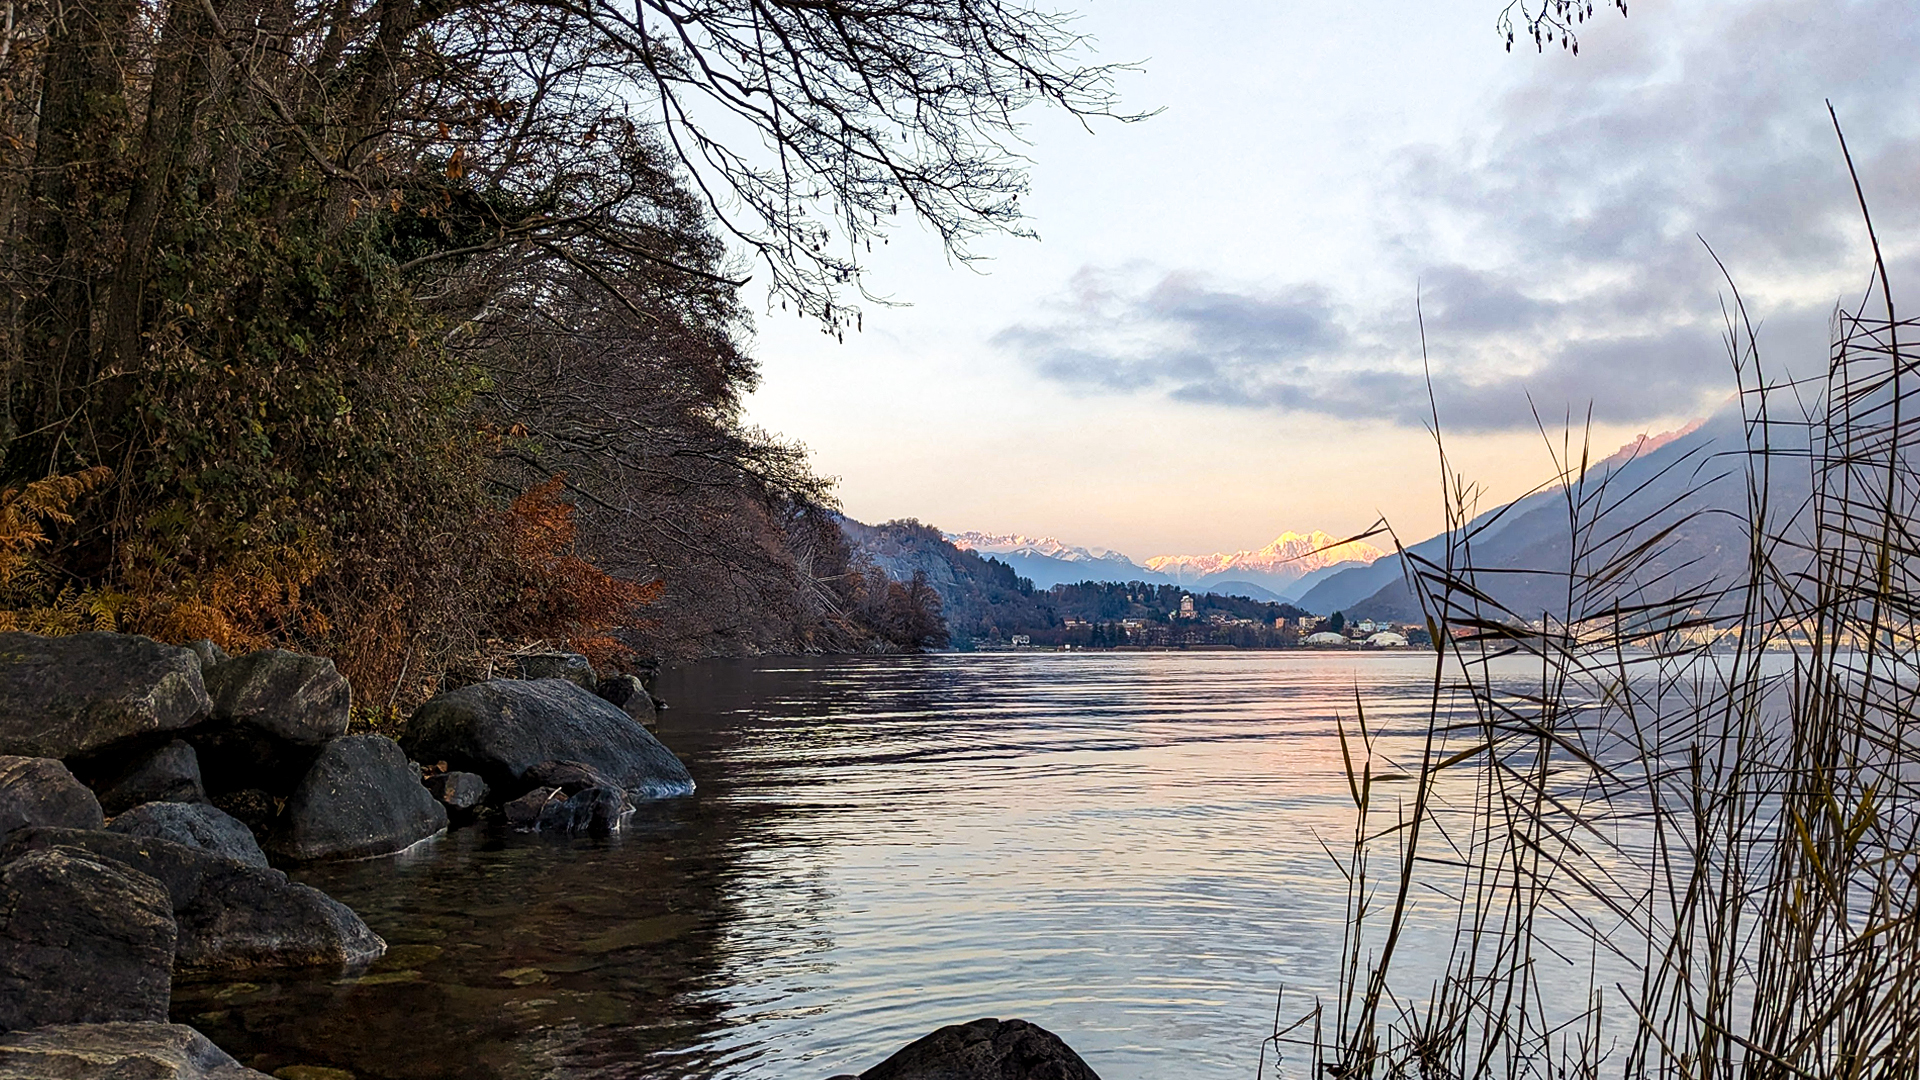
{"points": [[1214, 341]]}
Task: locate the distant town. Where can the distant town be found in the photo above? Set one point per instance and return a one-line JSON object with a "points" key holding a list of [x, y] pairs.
{"points": [[1207, 621]]}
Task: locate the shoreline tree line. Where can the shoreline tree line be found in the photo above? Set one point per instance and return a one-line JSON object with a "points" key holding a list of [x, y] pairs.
{"points": [[406, 331]]}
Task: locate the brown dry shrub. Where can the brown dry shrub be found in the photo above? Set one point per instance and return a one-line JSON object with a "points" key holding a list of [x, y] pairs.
{"points": [[545, 591]]}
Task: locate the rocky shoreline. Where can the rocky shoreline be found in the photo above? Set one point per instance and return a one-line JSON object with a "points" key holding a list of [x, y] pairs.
{"points": [[150, 796]]}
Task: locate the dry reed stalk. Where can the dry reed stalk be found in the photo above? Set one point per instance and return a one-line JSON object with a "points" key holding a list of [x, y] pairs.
{"points": [[1722, 842]]}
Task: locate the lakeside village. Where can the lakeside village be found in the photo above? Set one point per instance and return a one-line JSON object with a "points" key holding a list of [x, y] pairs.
{"points": [[1192, 627], [1197, 624]]}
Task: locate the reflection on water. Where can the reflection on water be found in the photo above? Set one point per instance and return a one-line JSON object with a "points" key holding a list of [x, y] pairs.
{"points": [[1121, 847]]}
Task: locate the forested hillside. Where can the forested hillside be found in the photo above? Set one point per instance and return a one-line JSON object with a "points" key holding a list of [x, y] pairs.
{"points": [[407, 331], [984, 602]]}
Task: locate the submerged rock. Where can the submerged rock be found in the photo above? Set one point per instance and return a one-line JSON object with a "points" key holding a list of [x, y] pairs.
{"points": [[169, 774], [82, 939], [630, 693], [986, 1049], [361, 799], [503, 728], [231, 916], [272, 712], [594, 811], [63, 697], [524, 812], [117, 1051], [195, 825], [40, 791]]}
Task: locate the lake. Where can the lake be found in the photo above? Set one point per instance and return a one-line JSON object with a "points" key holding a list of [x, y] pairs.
{"points": [[1122, 847]]}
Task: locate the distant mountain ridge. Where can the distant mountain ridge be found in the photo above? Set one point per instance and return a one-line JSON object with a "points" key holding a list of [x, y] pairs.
{"points": [[1282, 570], [1278, 567], [1047, 561], [1004, 543]]}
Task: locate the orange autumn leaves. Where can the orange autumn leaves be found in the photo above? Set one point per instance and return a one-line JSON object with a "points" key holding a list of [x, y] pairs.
{"points": [[549, 592], [538, 588]]}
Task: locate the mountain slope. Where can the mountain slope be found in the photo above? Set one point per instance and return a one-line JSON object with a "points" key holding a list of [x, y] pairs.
{"points": [[1691, 483]]}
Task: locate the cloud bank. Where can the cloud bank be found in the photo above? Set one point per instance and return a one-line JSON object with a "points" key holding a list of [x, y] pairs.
{"points": [[1556, 256]]}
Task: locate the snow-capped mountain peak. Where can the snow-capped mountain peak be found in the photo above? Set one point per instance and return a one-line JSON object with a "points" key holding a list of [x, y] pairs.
{"points": [[1290, 555], [1020, 544]]}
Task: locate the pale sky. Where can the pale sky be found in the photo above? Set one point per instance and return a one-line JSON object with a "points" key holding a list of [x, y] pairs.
{"points": [[1214, 339]]}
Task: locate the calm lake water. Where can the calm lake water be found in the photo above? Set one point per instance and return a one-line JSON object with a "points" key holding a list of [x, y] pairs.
{"points": [[1124, 848]]}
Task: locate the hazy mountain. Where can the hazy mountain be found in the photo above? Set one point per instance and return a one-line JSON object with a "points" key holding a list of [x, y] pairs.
{"points": [[984, 600], [1049, 562], [1282, 570], [1245, 588], [1277, 567]]}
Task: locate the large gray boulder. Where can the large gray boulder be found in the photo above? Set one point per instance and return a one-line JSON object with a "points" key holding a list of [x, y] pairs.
{"points": [[571, 776], [231, 916], [503, 728], [40, 791], [985, 1049], [168, 774], [82, 940], [299, 698], [117, 1051], [196, 825], [64, 697], [272, 712], [361, 799]]}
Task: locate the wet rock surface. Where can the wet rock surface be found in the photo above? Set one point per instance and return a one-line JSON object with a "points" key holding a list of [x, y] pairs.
{"points": [[168, 774], [594, 811], [231, 916], [986, 1049], [572, 777], [40, 791], [524, 812], [83, 939], [62, 697], [117, 1051], [503, 728], [195, 825], [361, 799]]}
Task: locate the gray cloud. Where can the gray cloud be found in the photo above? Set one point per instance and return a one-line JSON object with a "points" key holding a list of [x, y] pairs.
{"points": [[1180, 328], [1582, 281]]}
